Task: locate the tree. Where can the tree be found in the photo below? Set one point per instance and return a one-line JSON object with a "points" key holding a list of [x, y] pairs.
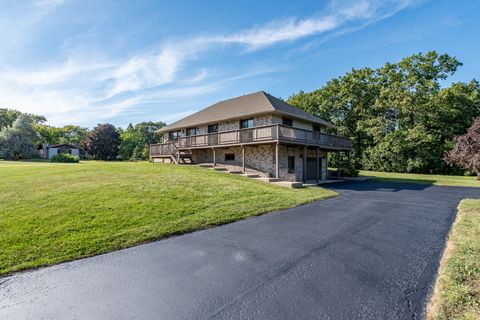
{"points": [[18, 141], [130, 140], [398, 116], [135, 140], [67, 134], [8, 117], [466, 151], [102, 142], [147, 131]]}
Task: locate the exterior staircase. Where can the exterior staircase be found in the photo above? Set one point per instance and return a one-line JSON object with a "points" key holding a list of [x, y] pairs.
{"points": [[183, 158], [169, 151]]}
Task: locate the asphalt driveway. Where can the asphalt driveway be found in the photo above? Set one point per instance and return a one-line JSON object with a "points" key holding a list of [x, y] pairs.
{"points": [[370, 253]]}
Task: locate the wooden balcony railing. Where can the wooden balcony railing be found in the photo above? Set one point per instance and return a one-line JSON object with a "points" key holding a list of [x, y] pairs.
{"points": [[165, 149], [256, 135]]}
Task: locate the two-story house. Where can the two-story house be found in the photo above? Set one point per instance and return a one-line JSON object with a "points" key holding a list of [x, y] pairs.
{"points": [[256, 131]]}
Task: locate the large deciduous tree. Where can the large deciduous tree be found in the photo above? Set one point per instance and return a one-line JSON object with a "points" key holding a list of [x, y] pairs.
{"points": [[466, 151], [71, 134], [135, 140], [102, 142], [8, 117], [398, 116], [18, 141]]}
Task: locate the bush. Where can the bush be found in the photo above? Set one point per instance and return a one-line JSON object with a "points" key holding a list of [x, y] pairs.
{"points": [[65, 158]]}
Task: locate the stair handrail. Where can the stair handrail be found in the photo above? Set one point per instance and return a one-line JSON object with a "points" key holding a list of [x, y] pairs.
{"points": [[175, 151]]}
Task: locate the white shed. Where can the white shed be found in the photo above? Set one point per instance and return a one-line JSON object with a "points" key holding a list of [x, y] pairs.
{"points": [[50, 150]]}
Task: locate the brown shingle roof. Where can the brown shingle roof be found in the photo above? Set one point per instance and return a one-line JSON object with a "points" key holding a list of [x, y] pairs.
{"points": [[240, 107]]}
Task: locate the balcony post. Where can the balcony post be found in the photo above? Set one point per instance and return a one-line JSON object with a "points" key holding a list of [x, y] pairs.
{"points": [[349, 162], [243, 158], [277, 160], [338, 169], [304, 164], [326, 165], [318, 164], [214, 157]]}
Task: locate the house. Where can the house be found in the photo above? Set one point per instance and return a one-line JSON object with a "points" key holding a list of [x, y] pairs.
{"points": [[255, 131], [48, 151]]}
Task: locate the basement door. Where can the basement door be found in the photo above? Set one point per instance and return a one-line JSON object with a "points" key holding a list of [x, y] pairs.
{"points": [[312, 168]]}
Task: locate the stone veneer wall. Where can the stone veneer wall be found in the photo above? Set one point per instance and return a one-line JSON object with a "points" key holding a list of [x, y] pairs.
{"points": [[258, 121], [229, 125], [297, 152], [202, 155], [258, 157], [262, 120], [262, 158]]}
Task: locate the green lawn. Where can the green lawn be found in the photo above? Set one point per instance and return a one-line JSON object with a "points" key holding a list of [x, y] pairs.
{"points": [[51, 213], [439, 180], [457, 290]]}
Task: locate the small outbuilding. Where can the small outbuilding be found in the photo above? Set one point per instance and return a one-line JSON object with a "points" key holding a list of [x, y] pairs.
{"points": [[48, 151]]}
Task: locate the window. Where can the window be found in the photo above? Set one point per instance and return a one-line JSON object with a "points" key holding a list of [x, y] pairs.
{"points": [[247, 123], [192, 131], [287, 122], [173, 135], [291, 164], [229, 156], [316, 128], [213, 128]]}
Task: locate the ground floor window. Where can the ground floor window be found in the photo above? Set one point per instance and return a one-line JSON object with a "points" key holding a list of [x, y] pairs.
{"points": [[291, 164], [229, 156]]}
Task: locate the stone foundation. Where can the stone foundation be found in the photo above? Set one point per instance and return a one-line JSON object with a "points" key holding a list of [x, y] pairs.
{"points": [[262, 158]]}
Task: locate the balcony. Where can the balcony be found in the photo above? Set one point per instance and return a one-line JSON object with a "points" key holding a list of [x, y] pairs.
{"points": [[258, 135]]}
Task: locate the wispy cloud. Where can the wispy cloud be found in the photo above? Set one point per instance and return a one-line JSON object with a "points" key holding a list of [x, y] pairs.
{"points": [[84, 88]]}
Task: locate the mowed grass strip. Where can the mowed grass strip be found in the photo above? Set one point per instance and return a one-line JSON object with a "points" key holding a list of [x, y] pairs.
{"points": [[457, 289], [435, 179], [50, 213]]}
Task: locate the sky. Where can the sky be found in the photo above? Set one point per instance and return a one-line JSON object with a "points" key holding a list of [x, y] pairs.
{"points": [[86, 62]]}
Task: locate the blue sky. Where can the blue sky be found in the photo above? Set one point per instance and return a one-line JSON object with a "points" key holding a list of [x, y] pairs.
{"points": [[87, 62]]}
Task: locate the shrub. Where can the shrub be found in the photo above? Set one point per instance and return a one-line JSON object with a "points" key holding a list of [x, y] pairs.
{"points": [[466, 151], [66, 158]]}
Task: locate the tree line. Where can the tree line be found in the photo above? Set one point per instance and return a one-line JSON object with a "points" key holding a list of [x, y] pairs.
{"points": [[22, 134], [401, 117]]}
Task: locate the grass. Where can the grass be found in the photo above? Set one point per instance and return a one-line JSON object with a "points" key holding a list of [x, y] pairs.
{"points": [[54, 212], [439, 180], [457, 290]]}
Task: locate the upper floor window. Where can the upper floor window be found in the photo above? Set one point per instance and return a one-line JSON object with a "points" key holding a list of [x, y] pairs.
{"points": [[316, 128], [173, 135], [247, 123], [287, 122], [213, 128], [192, 131]]}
